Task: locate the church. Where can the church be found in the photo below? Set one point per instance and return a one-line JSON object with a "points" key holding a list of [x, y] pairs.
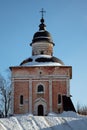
{"points": [[41, 83]]}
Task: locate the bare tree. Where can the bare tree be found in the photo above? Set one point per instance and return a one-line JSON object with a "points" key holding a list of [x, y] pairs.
{"points": [[5, 96], [82, 109], [78, 107]]}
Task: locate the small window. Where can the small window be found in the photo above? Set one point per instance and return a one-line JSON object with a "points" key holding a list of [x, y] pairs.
{"points": [[42, 52], [40, 72], [59, 110], [40, 89], [59, 99], [21, 100]]}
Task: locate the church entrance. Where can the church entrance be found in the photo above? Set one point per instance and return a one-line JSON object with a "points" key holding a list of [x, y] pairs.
{"points": [[40, 110]]}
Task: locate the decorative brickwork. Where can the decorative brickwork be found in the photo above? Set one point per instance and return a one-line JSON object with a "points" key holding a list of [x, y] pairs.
{"points": [[26, 81]]}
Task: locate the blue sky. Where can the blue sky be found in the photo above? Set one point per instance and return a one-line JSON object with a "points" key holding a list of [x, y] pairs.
{"points": [[66, 20]]}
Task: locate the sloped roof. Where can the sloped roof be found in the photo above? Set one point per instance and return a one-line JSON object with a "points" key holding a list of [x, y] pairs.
{"points": [[42, 60]]}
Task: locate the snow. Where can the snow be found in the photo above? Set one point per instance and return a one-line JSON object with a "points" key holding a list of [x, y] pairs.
{"points": [[64, 121], [34, 63]]}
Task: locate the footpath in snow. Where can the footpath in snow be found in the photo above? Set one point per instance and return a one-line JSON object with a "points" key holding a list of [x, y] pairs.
{"points": [[64, 121]]}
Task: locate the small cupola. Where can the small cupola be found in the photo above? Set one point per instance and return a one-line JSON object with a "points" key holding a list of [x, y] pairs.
{"points": [[42, 42], [42, 34], [42, 49]]}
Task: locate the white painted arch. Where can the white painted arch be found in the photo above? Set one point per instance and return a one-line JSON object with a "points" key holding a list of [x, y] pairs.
{"points": [[40, 101]]}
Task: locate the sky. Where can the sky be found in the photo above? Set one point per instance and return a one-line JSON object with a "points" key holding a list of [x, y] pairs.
{"points": [[66, 20]]}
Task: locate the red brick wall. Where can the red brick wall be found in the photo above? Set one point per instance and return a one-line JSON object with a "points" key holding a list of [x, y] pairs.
{"points": [[35, 95], [58, 87], [21, 88]]}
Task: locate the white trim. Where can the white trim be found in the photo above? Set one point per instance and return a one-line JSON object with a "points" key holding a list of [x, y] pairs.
{"points": [[68, 87], [30, 96], [19, 76], [40, 101], [40, 80], [50, 95], [12, 97]]}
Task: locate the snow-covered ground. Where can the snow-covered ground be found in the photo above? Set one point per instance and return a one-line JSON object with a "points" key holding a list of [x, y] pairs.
{"points": [[64, 121]]}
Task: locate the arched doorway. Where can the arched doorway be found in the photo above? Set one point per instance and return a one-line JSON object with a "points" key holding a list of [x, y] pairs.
{"points": [[40, 110], [40, 107]]}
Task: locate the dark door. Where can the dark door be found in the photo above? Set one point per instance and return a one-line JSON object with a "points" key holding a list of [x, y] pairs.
{"points": [[40, 110]]}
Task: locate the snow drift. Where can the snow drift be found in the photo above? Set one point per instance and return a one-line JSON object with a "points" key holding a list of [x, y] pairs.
{"points": [[64, 121]]}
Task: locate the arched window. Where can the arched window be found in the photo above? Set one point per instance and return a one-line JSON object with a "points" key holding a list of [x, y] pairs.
{"points": [[59, 99], [40, 89], [21, 99]]}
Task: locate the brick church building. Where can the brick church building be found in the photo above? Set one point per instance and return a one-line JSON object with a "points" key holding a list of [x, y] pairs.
{"points": [[41, 83]]}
